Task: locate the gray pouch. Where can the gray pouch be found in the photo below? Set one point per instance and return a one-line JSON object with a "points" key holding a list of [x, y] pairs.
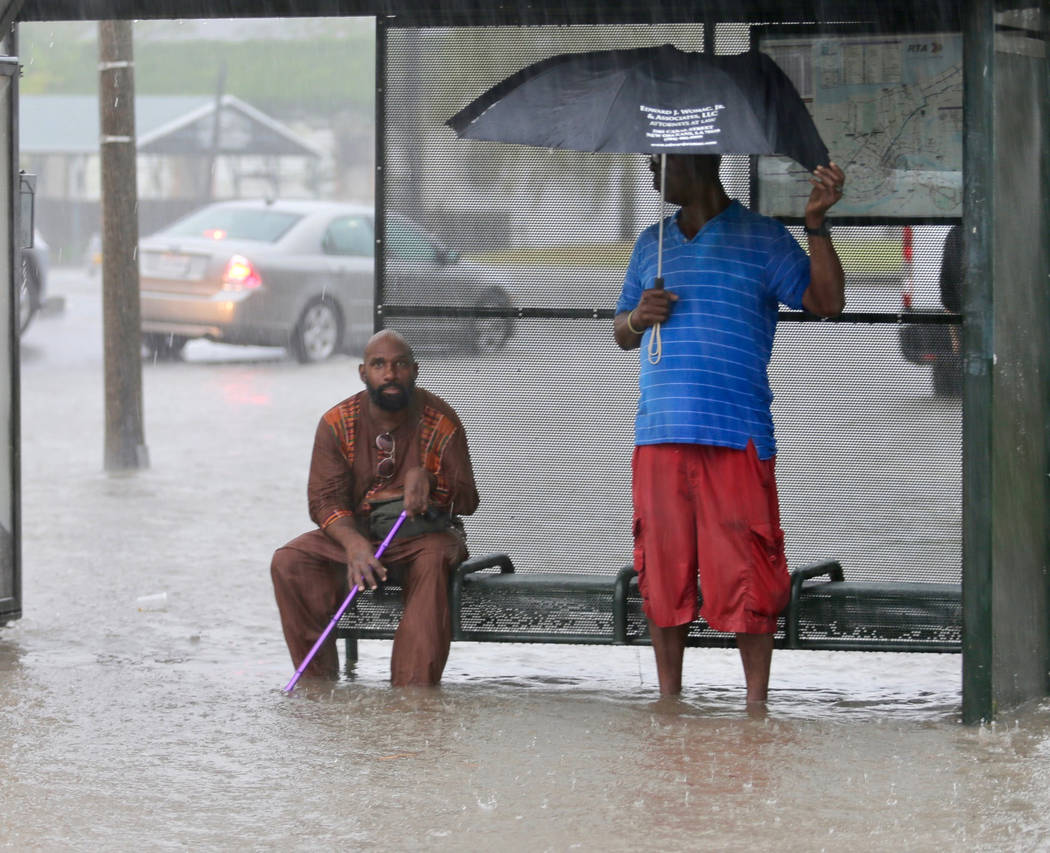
{"points": [[385, 514]]}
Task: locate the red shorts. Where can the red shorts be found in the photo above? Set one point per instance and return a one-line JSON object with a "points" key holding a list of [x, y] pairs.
{"points": [[709, 513]]}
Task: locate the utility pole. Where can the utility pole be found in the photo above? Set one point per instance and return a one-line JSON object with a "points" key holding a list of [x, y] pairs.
{"points": [[212, 155], [125, 444]]}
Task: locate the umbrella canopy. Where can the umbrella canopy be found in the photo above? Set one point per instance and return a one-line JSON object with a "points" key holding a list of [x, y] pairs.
{"points": [[648, 100]]}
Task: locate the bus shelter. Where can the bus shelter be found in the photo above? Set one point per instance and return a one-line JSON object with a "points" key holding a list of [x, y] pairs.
{"points": [[911, 430]]}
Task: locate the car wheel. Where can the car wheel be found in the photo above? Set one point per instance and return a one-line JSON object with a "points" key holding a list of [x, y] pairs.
{"points": [[163, 347], [947, 380], [490, 334], [28, 295], [318, 332]]}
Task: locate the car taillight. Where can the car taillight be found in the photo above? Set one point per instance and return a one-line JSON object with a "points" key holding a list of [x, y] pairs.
{"points": [[240, 275]]}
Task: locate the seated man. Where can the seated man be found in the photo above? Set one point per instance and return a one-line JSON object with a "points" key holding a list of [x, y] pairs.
{"points": [[390, 445]]}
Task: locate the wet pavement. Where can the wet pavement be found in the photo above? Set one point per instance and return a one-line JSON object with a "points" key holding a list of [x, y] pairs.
{"points": [[160, 723]]}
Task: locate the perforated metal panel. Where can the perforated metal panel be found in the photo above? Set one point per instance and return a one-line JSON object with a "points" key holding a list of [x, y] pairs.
{"points": [[869, 454]]}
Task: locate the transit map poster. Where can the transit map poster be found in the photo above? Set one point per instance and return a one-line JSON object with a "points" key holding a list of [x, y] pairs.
{"points": [[889, 108]]}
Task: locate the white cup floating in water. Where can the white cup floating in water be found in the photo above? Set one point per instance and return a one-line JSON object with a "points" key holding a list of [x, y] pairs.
{"points": [[157, 601]]}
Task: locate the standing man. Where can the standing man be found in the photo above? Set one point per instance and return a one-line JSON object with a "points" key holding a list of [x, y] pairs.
{"points": [[389, 447], [705, 498]]}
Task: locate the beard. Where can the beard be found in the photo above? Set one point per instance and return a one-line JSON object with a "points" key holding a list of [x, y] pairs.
{"points": [[392, 402]]}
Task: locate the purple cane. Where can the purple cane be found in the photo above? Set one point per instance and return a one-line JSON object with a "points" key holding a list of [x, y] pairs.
{"points": [[335, 619]]}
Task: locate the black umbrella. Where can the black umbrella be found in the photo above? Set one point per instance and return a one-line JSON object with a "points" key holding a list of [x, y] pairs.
{"points": [[658, 100], [648, 100]]}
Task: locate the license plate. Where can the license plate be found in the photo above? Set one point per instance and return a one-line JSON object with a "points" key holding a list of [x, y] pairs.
{"points": [[169, 265]]}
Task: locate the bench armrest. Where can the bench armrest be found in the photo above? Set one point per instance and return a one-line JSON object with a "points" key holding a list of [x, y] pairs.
{"points": [[478, 564], [623, 585], [831, 568], [488, 561]]}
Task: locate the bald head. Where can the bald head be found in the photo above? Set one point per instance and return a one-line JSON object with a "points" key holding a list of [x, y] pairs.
{"points": [[389, 370], [389, 338]]}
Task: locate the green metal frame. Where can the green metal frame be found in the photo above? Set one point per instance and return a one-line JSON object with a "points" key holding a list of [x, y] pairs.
{"points": [[11, 606], [1006, 615], [978, 157]]}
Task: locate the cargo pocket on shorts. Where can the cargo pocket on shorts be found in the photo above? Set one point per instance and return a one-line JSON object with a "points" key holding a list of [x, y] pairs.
{"points": [[772, 584], [639, 555]]}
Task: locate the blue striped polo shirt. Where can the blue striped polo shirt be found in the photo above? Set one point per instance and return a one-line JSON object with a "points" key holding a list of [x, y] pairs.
{"points": [[711, 385]]}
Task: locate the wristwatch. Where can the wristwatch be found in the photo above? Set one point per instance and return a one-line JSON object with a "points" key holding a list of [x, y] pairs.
{"points": [[821, 230]]}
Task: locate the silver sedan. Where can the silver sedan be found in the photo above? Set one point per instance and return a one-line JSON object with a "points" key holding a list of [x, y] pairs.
{"points": [[300, 274]]}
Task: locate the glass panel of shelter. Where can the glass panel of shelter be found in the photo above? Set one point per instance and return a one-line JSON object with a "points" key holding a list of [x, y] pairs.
{"points": [[862, 438]]}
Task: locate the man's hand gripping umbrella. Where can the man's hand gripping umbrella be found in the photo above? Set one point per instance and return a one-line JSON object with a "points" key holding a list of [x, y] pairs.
{"points": [[342, 609]]}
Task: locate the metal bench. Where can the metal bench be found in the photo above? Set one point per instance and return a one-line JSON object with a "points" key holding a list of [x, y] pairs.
{"points": [[840, 615], [490, 602]]}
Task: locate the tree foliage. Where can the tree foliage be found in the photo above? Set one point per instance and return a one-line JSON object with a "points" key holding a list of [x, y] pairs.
{"points": [[286, 77]]}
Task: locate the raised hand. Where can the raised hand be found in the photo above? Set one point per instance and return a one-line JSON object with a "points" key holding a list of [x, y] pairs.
{"points": [[828, 183]]}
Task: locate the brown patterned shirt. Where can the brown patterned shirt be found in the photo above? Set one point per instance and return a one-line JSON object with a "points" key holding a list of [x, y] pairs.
{"points": [[343, 475]]}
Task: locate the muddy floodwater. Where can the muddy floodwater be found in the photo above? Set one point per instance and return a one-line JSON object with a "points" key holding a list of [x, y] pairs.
{"points": [[141, 704]]}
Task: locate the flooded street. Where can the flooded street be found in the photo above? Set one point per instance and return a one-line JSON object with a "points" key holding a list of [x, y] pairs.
{"points": [[140, 700]]}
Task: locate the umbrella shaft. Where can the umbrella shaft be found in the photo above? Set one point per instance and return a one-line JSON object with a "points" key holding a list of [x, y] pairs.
{"points": [[659, 283]]}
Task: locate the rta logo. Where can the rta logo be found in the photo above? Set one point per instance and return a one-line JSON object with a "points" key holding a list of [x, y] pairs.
{"points": [[932, 47]]}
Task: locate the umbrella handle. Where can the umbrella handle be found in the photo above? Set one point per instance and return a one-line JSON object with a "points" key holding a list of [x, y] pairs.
{"points": [[342, 609], [656, 345]]}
